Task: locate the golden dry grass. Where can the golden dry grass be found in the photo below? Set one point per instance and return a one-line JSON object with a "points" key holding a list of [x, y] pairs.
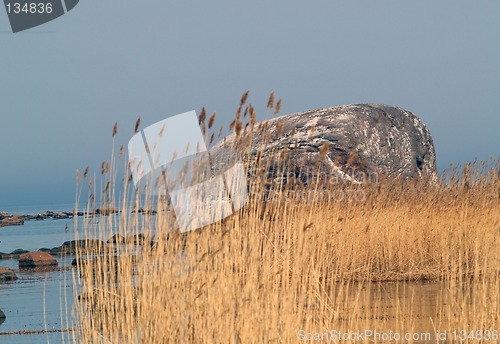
{"points": [[297, 263]]}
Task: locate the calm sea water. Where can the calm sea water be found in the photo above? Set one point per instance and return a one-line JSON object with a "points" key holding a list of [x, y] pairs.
{"points": [[36, 301]]}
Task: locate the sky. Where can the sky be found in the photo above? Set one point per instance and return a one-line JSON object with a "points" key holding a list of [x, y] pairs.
{"points": [[64, 84]]}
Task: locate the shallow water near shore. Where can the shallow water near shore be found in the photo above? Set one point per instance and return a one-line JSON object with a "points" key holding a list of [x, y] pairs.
{"points": [[34, 302], [411, 308]]}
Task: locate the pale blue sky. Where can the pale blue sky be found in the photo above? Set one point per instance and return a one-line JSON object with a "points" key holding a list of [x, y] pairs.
{"points": [[64, 84]]}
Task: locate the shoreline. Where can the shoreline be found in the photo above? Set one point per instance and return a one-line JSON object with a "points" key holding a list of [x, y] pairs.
{"points": [[15, 219]]}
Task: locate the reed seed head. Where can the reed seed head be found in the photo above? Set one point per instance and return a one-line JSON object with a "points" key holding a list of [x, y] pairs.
{"points": [[203, 115], [270, 102], [238, 127], [211, 120], [122, 150], [324, 149], [244, 98], [137, 124], [277, 108]]}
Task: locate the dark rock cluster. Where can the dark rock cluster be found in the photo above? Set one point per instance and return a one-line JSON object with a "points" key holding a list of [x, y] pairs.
{"points": [[14, 220], [94, 246], [19, 219]]}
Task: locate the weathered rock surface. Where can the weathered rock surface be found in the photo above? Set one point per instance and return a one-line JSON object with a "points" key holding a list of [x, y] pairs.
{"points": [[7, 275], [362, 138], [36, 259]]}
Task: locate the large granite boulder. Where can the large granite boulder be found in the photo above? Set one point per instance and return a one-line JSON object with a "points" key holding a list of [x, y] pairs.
{"points": [[358, 141], [7, 275], [37, 259]]}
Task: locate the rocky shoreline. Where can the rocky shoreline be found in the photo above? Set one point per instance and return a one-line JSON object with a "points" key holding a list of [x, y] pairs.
{"points": [[7, 219], [94, 245], [43, 260]]}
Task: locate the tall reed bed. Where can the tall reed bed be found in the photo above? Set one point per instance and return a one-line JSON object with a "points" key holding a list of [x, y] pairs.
{"points": [[292, 266]]}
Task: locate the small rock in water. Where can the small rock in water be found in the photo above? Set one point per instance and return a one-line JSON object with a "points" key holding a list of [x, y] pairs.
{"points": [[117, 239], [13, 220], [13, 254], [139, 239], [70, 247], [85, 244], [18, 252], [7, 275], [37, 259], [44, 249], [61, 215]]}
